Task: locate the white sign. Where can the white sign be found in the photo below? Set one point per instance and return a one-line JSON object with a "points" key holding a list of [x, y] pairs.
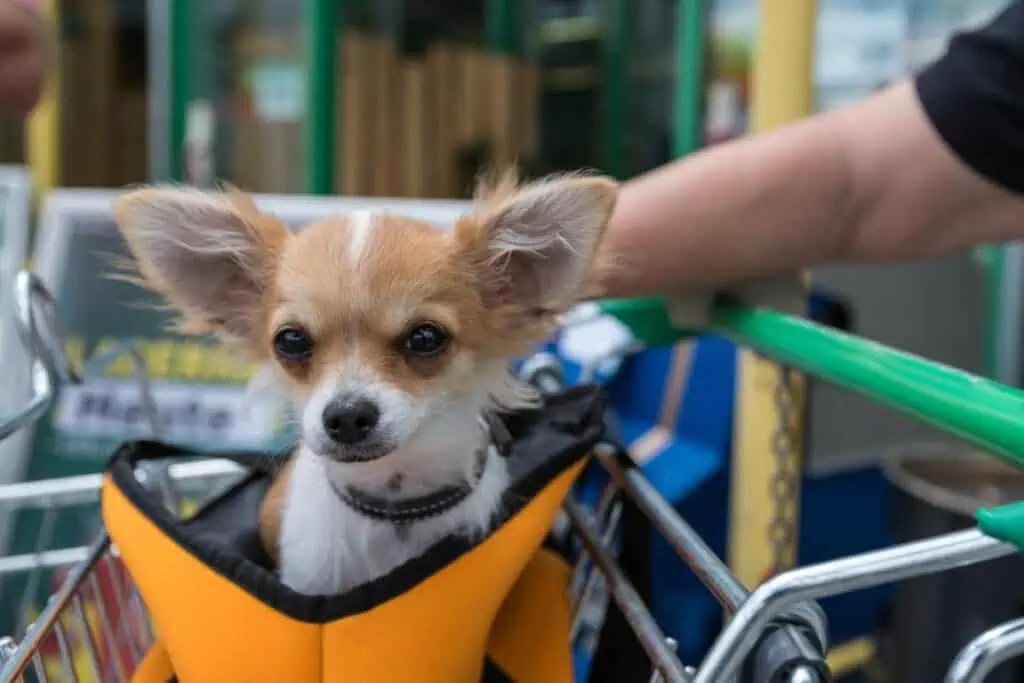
{"points": [[222, 415]]}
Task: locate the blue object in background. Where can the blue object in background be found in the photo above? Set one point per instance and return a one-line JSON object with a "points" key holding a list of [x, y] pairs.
{"points": [[700, 433], [845, 514]]}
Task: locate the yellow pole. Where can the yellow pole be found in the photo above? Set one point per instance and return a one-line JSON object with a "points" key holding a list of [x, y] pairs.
{"points": [[854, 655], [43, 137], [781, 92]]}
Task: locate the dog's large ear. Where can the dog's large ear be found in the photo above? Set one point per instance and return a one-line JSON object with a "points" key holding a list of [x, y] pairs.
{"points": [[536, 246], [210, 255]]}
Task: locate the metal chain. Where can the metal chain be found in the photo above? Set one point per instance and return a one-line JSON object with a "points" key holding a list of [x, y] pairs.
{"points": [[786, 477]]}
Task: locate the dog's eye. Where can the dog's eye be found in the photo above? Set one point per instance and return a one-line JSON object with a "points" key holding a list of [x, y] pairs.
{"points": [[293, 343], [425, 340]]}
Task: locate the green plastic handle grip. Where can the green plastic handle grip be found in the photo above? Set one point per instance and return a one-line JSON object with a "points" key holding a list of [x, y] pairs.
{"points": [[1005, 523], [647, 319]]}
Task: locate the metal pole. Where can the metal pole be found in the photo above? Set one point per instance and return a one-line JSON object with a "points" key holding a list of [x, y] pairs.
{"points": [[690, 546], [322, 21], [651, 638]]}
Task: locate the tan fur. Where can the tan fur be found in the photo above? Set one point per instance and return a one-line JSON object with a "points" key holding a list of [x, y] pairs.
{"points": [[270, 510], [271, 234]]}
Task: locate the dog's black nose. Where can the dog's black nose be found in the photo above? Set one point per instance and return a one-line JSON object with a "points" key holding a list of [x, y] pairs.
{"points": [[349, 422]]}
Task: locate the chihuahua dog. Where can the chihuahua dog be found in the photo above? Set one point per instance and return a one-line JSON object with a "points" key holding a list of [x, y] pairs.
{"points": [[392, 339]]}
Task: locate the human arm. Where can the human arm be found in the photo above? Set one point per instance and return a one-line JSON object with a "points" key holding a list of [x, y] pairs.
{"points": [[881, 180], [23, 58]]}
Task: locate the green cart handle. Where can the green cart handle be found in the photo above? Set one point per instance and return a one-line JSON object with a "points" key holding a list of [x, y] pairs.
{"points": [[984, 413]]}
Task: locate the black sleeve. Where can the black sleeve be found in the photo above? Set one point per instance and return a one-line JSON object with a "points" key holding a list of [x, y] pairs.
{"points": [[974, 96]]}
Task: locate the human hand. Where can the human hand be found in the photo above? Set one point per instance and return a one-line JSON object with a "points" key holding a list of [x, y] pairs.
{"points": [[23, 56], [692, 310]]}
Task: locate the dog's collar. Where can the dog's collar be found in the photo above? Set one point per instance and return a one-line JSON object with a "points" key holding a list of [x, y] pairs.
{"points": [[407, 510]]}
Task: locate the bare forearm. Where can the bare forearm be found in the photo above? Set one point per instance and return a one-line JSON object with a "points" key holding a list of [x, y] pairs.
{"points": [[754, 207], [868, 183], [914, 198]]}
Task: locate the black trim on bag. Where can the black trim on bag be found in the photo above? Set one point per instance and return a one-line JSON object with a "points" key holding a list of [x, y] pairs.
{"points": [[568, 425], [494, 674], [558, 547]]}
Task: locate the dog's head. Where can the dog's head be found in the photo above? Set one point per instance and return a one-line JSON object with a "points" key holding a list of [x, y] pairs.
{"points": [[390, 334]]}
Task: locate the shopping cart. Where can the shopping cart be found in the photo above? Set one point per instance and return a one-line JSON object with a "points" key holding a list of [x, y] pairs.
{"points": [[95, 626]]}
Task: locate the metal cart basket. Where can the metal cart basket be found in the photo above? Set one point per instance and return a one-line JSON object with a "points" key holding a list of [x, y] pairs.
{"points": [[95, 626]]}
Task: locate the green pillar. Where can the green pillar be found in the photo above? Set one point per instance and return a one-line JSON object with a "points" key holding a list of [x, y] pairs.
{"points": [[993, 261], [503, 26], [193, 45], [322, 24], [688, 93], [616, 45], [180, 91]]}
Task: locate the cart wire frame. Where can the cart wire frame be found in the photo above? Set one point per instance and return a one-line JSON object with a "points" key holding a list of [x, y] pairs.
{"points": [[777, 633], [985, 653]]}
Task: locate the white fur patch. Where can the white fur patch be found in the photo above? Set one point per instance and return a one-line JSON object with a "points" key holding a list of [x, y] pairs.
{"points": [[327, 548], [360, 226]]}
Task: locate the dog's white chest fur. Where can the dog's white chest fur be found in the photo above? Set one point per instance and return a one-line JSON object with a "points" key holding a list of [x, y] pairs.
{"points": [[327, 548]]}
